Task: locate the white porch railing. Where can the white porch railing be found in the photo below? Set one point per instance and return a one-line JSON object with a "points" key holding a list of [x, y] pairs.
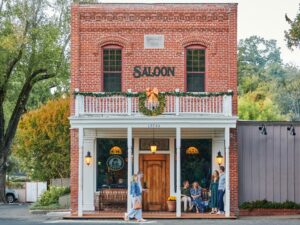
{"points": [[175, 105]]}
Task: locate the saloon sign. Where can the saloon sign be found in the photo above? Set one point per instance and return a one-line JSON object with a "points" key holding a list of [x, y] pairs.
{"points": [[139, 71]]}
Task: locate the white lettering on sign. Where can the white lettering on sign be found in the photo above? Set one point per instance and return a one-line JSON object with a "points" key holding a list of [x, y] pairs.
{"points": [[154, 41], [153, 125]]}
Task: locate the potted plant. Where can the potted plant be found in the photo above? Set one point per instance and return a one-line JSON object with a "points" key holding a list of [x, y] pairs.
{"points": [[171, 203]]}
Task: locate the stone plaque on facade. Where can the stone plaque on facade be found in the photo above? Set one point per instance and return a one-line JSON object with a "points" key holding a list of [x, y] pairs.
{"points": [[154, 41]]}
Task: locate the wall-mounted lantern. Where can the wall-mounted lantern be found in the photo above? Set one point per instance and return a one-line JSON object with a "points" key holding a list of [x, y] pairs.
{"points": [[88, 158], [219, 159], [263, 129], [291, 130]]}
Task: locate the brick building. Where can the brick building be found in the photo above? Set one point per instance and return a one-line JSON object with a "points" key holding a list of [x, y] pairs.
{"points": [[184, 55]]}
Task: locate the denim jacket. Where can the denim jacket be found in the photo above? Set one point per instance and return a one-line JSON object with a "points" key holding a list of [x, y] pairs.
{"points": [[135, 189], [222, 182]]}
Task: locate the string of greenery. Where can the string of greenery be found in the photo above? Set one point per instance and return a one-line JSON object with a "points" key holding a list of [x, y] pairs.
{"points": [[140, 94]]}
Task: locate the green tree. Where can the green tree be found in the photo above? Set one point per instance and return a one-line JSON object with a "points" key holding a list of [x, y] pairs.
{"points": [[257, 106], [292, 35], [259, 61], [34, 38], [42, 141], [287, 92]]}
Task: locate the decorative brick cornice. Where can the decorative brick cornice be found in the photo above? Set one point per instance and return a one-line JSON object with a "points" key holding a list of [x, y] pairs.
{"points": [[153, 16], [157, 29]]}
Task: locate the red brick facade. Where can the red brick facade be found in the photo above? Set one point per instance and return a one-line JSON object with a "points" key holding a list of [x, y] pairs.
{"points": [[268, 212], [212, 26], [74, 170]]}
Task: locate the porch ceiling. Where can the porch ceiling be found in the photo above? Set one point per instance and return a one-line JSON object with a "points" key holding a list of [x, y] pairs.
{"points": [[159, 132]]}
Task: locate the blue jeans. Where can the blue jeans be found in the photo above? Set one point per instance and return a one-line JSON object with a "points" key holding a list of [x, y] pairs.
{"points": [[135, 213], [199, 204], [220, 200]]}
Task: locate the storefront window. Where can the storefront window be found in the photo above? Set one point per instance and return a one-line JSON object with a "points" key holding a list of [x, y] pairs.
{"points": [[112, 68], [196, 161], [111, 163], [195, 69]]}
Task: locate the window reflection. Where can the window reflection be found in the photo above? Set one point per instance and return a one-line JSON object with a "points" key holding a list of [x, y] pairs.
{"points": [[111, 163]]}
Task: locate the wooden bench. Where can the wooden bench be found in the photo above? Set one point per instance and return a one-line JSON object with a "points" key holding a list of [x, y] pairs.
{"points": [[205, 199], [114, 199]]}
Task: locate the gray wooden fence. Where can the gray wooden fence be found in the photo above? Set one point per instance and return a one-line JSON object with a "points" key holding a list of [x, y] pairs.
{"points": [[60, 182], [269, 165]]}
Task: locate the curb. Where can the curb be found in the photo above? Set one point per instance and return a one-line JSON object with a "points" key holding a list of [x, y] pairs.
{"points": [[50, 212], [61, 213]]}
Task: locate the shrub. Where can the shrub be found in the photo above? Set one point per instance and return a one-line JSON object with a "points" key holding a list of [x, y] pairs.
{"points": [[52, 195], [264, 204]]}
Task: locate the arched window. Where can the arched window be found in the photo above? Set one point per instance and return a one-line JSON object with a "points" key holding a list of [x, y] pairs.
{"points": [[195, 68], [112, 68]]}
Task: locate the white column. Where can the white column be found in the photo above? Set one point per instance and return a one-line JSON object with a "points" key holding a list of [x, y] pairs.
{"points": [[227, 169], [172, 166], [88, 174], [129, 175], [80, 165], [136, 155], [178, 171]]}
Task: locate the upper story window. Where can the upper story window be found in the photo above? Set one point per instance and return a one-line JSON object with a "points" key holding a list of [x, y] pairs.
{"points": [[112, 68], [195, 69]]}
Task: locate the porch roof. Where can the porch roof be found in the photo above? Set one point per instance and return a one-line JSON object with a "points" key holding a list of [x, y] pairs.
{"points": [[162, 121]]}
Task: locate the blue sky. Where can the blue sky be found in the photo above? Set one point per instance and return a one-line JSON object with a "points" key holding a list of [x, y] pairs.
{"points": [[264, 18]]}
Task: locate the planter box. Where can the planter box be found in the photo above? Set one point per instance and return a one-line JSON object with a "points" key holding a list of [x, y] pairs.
{"points": [[171, 206], [268, 212]]}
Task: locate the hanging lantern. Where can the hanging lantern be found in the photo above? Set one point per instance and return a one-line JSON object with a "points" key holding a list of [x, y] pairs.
{"points": [[116, 150], [153, 148], [88, 158], [219, 159], [192, 151]]}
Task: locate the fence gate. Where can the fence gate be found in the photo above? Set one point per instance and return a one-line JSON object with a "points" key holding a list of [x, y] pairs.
{"points": [[34, 190]]}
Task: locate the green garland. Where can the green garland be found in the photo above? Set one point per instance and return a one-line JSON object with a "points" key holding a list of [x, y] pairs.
{"points": [[161, 98], [156, 111], [107, 94], [138, 94]]}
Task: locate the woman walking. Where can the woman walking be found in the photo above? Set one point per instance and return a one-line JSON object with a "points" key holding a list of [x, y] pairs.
{"points": [[136, 197], [214, 191]]}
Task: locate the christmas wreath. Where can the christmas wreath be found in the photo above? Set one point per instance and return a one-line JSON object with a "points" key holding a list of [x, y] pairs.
{"points": [[156, 110]]}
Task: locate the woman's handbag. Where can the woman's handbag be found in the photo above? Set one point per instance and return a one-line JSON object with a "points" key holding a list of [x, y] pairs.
{"points": [[137, 204]]}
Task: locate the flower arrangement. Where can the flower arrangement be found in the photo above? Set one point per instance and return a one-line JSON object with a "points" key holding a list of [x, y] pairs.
{"points": [[172, 198]]}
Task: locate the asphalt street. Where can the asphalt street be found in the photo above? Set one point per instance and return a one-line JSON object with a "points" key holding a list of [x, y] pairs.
{"points": [[19, 215]]}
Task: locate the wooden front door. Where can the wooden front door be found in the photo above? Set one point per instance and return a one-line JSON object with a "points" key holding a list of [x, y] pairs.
{"points": [[156, 169]]}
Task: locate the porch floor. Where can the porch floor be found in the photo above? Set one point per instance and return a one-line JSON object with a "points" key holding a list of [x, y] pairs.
{"points": [[147, 215]]}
